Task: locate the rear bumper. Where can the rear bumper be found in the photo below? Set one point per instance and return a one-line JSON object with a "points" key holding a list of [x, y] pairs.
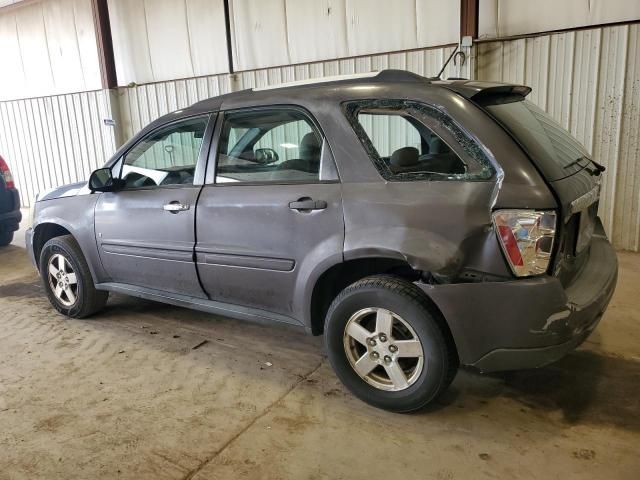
{"points": [[527, 323]]}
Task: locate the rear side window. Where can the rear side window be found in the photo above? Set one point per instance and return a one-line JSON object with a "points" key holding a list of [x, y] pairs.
{"points": [[554, 151], [412, 141]]}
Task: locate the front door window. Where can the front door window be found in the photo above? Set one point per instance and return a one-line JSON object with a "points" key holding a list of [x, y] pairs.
{"points": [[165, 157]]}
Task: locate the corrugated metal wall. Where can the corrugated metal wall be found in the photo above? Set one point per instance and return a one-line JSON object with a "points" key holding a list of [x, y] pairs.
{"points": [[423, 61], [56, 140], [141, 104], [589, 81]]}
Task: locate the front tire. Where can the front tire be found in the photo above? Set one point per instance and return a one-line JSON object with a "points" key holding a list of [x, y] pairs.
{"points": [[67, 279], [387, 344]]}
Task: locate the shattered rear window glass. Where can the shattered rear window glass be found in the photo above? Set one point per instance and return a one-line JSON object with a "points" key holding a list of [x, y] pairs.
{"points": [[556, 153], [409, 141]]}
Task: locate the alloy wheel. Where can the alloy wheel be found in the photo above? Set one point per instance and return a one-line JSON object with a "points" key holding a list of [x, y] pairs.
{"points": [[383, 349], [62, 280]]}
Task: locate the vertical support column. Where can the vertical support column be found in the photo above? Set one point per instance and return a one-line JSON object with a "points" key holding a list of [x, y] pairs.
{"points": [[113, 99], [105, 44], [234, 80], [469, 18], [227, 24], [106, 60], [469, 13]]}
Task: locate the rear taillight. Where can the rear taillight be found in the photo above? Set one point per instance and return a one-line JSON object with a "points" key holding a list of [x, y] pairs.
{"points": [[6, 174], [526, 237]]}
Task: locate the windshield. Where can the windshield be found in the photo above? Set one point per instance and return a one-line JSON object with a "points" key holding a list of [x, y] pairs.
{"points": [[554, 151]]}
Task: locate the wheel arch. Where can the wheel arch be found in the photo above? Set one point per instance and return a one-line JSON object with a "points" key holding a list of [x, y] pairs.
{"points": [[340, 275], [44, 232]]}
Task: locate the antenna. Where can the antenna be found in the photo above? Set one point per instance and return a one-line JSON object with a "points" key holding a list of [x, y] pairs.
{"points": [[465, 42], [447, 62]]}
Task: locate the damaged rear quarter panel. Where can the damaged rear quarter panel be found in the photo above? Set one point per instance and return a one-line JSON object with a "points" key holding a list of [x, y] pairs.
{"points": [[437, 224], [424, 222]]}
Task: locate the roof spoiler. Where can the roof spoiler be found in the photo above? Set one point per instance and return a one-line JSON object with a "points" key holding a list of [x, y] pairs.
{"points": [[482, 91]]}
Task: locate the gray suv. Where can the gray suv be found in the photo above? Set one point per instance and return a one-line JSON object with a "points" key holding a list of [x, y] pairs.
{"points": [[418, 224]]}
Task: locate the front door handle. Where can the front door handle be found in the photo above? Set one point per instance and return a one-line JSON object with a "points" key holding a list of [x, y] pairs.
{"points": [[307, 204], [176, 207]]}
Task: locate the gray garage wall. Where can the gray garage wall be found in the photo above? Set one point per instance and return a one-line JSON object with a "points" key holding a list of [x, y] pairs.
{"points": [[589, 81], [166, 39], [52, 141], [143, 103], [47, 48]]}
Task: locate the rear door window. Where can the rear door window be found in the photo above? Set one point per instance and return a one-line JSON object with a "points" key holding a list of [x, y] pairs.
{"points": [[280, 145], [554, 151], [412, 141]]}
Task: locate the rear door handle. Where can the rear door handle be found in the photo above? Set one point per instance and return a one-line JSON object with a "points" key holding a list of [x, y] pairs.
{"points": [[307, 204], [176, 207]]}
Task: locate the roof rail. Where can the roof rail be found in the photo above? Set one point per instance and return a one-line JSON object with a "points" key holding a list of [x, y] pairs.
{"points": [[382, 76], [312, 81]]}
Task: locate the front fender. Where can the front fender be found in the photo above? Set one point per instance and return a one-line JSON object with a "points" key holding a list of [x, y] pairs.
{"points": [[76, 215]]}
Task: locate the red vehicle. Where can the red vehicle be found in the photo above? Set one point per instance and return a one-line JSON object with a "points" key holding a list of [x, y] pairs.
{"points": [[10, 215]]}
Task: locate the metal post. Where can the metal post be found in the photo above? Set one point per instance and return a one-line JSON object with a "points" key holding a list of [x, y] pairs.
{"points": [[469, 18], [227, 23], [105, 44]]}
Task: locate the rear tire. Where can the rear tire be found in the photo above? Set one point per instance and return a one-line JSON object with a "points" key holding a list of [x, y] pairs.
{"points": [[6, 238], [67, 279], [388, 345]]}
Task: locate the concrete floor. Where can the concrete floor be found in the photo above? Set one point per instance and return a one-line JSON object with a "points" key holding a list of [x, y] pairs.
{"points": [[126, 395]]}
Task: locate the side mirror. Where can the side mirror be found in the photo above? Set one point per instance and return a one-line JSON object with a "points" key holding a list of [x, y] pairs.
{"points": [[266, 156], [102, 180]]}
